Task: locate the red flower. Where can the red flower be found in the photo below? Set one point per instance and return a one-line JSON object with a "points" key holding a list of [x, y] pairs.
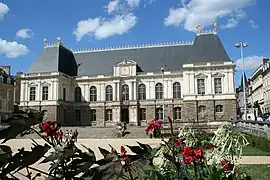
{"points": [[226, 165], [153, 124], [178, 143], [188, 159], [191, 155], [123, 153], [187, 151]]}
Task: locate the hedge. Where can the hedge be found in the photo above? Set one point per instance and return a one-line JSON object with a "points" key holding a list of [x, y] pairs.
{"points": [[258, 142]]}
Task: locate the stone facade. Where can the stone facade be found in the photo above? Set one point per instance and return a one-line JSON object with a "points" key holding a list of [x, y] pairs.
{"points": [[93, 108], [6, 92]]}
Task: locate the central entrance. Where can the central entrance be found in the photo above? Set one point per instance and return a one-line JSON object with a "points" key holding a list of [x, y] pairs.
{"points": [[125, 115]]}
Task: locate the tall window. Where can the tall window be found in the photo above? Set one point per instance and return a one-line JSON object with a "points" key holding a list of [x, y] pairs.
{"points": [[125, 92], [109, 93], [219, 108], [108, 115], [218, 86], [202, 109], [32, 93], [159, 113], [201, 86], [176, 90], [177, 113], [93, 93], [77, 116], [78, 94], [45, 93], [93, 116], [141, 92], [159, 91], [142, 114], [64, 94]]}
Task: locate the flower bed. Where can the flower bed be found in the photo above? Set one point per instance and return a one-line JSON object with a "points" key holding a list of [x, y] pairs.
{"points": [[186, 156]]}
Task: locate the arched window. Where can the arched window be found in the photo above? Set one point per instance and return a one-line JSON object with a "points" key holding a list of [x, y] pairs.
{"points": [[202, 109], [125, 92], [141, 92], [176, 90], [159, 91], [219, 108], [93, 93], [109, 93], [78, 94]]}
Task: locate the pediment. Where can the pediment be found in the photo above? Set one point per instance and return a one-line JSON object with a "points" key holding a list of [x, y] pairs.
{"points": [[201, 75], [219, 75], [33, 84], [45, 83], [126, 62]]}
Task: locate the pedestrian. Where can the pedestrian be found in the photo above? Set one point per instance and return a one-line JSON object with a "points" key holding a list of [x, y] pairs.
{"points": [[76, 133]]}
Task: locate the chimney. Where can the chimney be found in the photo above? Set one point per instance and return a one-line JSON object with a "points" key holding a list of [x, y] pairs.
{"points": [[6, 69], [265, 60]]}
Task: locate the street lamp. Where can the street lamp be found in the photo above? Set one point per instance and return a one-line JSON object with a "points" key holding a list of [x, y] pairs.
{"points": [[162, 69], [242, 45]]}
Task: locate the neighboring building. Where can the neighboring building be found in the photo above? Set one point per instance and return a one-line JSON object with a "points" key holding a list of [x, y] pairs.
{"points": [[99, 87], [266, 84], [240, 96], [6, 92], [256, 92]]}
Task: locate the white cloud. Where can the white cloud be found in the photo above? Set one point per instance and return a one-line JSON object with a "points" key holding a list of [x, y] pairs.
{"points": [[250, 63], [205, 12], [12, 49], [253, 24], [133, 3], [25, 33], [235, 19], [122, 20], [3, 10], [101, 28], [112, 6]]}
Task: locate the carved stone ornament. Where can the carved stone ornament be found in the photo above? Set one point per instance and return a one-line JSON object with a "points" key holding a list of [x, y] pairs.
{"points": [[201, 76], [218, 75]]}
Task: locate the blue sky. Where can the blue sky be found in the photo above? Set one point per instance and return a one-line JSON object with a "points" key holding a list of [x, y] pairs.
{"points": [[83, 24]]}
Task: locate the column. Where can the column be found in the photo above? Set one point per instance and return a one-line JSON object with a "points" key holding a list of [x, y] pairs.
{"points": [[102, 92], [209, 84], [135, 94], [192, 84], [117, 91], [152, 85], [114, 91], [170, 89], [87, 95], [165, 86], [22, 91], [148, 90], [130, 90], [57, 89]]}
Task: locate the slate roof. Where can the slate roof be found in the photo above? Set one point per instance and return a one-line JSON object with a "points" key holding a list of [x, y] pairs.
{"points": [[206, 48]]}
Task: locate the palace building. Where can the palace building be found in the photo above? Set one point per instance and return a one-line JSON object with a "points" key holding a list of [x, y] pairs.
{"points": [[137, 83]]}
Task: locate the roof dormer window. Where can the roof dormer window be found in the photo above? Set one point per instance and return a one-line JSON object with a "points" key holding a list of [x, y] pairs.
{"points": [[8, 80]]}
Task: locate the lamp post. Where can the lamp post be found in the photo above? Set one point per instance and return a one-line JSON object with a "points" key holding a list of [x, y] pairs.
{"points": [[242, 45], [162, 69]]}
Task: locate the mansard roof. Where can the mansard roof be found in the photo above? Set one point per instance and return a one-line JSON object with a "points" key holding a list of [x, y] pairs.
{"points": [[207, 47]]}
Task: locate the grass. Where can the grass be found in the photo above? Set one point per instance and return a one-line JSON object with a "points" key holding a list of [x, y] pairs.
{"points": [[257, 172], [252, 151]]}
